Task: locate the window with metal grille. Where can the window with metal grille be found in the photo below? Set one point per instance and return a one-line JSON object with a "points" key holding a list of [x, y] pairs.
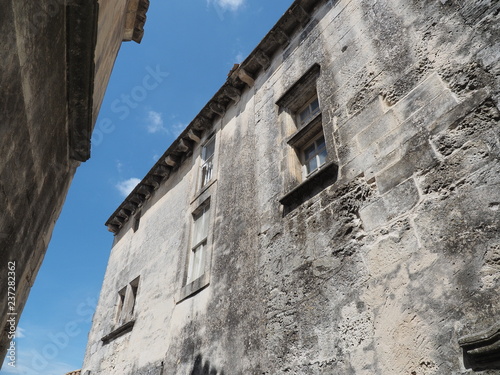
{"points": [[207, 157]]}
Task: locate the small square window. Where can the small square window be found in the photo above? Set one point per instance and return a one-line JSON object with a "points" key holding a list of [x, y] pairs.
{"points": [[207, 158]]}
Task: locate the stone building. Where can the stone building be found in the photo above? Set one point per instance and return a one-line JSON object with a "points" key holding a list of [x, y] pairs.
{"points": [[333, 209], [57, 58]]}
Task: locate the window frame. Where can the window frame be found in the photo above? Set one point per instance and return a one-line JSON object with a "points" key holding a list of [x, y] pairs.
{"points": [[300, 185], [316, 155], [193, 283], [125, 311], [207, 162], [203, 213], [312, 114]]}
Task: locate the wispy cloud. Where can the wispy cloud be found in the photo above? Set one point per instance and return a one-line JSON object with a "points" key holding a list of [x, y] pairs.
{"points": [[233, 5], [20, 332], [126, 186], [239, 57], [177, 128], [119, 166], [155, 122]]}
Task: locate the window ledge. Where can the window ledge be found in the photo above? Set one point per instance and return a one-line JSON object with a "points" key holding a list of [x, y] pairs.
{"points": [[307, 132], [313, 185], [203, 189], [123, 329], [193, 287], [482, 350]]}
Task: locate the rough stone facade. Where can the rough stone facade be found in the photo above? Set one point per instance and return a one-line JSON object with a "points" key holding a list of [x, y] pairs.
{"points": [[384, 261], [52, 53]]}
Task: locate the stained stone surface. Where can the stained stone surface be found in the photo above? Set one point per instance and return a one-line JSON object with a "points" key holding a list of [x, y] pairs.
{"points": [[381, 272], [40, 64]]}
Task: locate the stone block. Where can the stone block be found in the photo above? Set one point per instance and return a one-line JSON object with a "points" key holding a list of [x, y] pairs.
{"points": [[473, 156], [419, 97], [383, 162], [360, 121], [378, 129], [431, 112], [418, 122], [359, 164], [453, 116], [391, 205], [418, 157], [347, 151], [490, 56]]}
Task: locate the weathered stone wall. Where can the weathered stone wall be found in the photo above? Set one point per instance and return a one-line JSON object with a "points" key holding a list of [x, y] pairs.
{"points": [[380, 273], [36, 167]]}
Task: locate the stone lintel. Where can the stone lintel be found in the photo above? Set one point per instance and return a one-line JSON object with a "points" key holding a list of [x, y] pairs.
{"points": [[201, 123], [232, 93], [300, 14], [145, 189], [184, 146], [153, 181], [162, 170], [113, 228], [262, 59], [118, 220], [278, 36], [171, 160], [194, 135], [246, 77], [217, 108], [137, 198], [482, 350], [125, 213]]}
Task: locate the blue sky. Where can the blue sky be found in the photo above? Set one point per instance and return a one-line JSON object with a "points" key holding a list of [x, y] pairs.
{"points": [[190, 46]]}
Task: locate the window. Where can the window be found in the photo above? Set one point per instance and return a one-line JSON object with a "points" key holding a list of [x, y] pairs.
{"points": [[126, 302], [308, 113], [314, 155], [125, 311], [309, 155], [196, 267], [207, 157], [198, 258]]}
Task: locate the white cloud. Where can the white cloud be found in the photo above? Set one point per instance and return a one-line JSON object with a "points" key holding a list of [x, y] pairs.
{"points": [[239, 57], [20, 332], [228, 4], [177, 128], [155, 122], [125, 187]]}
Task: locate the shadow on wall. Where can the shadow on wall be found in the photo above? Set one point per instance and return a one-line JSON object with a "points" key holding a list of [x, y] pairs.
{"points": [[200, 368]]}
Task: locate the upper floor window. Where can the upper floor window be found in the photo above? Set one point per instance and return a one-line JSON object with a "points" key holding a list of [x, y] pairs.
{"points": [[196, 266], [314, 154], [308, 112], [310, 157], [207, 159]]}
